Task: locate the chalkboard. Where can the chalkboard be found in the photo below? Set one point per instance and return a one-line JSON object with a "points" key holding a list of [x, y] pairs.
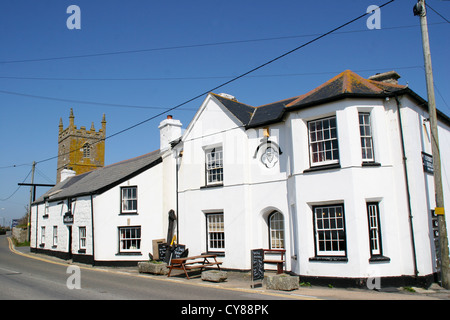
{"points": [[257, 264], [179, 249], [163, 248]]}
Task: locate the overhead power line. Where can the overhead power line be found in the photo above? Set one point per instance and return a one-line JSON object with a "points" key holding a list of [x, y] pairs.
{"points": [[440, 15], [15, 165], [78, 101], [106, 104], [221, 43], [235, 78], [182, 78], [7, 198]]}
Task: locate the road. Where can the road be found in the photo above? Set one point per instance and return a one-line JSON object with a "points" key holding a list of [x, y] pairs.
{"points": [[26, 278]]}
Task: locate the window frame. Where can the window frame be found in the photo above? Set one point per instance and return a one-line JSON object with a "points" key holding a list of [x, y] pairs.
{"points": [[317, 237], [46, 209], [379, 251], [276, 234], [135, 199], [218, 150], [137, 238], [364, 137], [42, 235], [209, 232], [55, 236], [323, 140], [82, 237]]}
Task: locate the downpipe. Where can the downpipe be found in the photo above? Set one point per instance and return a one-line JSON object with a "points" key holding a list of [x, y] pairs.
{"points": [[411, 225]]}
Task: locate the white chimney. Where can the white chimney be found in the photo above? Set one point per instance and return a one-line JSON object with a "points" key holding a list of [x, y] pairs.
{"points": [[169, 130], [67, 173]]}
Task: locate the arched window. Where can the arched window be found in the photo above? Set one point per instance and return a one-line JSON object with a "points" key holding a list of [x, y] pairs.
{"points": [[276, 230], [86, 150]]}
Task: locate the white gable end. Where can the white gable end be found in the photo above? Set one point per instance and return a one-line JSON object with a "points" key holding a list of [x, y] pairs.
{"points": [[211, 118]]}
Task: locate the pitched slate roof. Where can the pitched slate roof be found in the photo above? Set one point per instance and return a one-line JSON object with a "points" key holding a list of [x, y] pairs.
{"points": [[347, 84], [241, 111], [269, 112], [102, 179]]}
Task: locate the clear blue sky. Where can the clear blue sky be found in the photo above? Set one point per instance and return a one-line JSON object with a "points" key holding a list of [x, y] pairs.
{"points": [[32, 88]]}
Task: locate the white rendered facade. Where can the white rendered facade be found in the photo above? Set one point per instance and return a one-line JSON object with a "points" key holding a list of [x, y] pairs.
{"points": [[336, 197], [293, 186]]}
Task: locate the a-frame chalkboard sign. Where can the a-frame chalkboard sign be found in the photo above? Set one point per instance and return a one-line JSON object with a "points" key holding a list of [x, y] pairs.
{"points": [[257, 262]]}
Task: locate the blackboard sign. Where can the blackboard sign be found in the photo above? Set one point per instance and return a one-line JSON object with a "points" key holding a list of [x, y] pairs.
{"points": [[179, 249], [257, 265], [164, 248]]}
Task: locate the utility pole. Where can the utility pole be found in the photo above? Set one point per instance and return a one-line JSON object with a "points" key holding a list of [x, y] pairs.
{"points": [[420, 10], [31, 200]]}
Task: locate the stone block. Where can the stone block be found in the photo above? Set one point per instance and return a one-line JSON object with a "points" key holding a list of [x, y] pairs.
{"points": [[153, 267], [214, 275], [282, 282], [19, 234]]}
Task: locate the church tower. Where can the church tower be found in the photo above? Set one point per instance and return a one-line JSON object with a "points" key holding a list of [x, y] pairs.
{"points": [[80, 150]]}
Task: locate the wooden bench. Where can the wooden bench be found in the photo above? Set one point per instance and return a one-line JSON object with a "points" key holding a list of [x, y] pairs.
{"points": [[194, 262], [278, 262]]}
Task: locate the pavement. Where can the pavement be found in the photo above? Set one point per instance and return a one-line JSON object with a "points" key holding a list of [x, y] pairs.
{"points": [[241, 281]]}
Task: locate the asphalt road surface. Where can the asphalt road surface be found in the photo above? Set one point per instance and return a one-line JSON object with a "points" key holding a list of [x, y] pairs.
{"points": [[24, 278]]}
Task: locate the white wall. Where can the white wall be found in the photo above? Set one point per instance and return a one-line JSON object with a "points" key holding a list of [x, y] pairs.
{"points": [[33, 219], [444, 141], [49, 216], [353, 186], [251, 191], [422, 191], [245, 198], [82, 212], [107, 219], [150, 217]]}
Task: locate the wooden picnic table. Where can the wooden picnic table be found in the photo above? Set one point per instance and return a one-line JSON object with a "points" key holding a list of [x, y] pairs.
{"points": [[194, 262]]}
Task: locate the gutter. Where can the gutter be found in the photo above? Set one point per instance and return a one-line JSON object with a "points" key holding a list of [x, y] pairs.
{"points": [[411, 225]]}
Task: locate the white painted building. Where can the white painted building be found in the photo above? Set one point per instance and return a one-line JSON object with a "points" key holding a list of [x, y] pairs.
{"points": [[101, 217], [331, 176]]}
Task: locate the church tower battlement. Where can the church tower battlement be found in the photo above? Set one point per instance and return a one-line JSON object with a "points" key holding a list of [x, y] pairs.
{"points": [[79, 149]]}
